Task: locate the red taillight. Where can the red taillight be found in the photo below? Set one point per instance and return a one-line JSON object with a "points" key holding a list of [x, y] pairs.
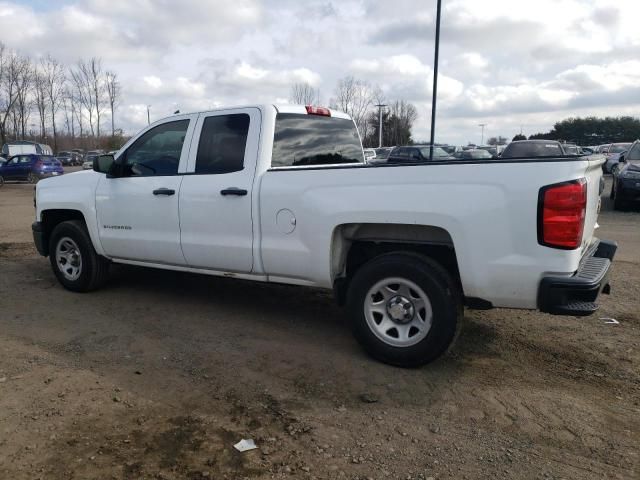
{"points": [[561, 213], [311, 110]]}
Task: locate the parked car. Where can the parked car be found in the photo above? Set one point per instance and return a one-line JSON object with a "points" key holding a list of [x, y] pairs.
{"points": [[494, 150], [451, 149], [403, 246], [369, 154], [613, 156], [88, 163], [30, 168], [382, 153], [533, 149], [69, 158], [64, 158], [20, 147], [476, 154], [416, 154], [625, 188], [571, 149]]}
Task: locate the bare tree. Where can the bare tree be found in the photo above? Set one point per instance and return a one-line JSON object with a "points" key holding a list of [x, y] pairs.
{"points": [[24, 82], [54, 77], [89, 88], [8, 88], [304, 94], [113, 91], [68, 113], [355, 97], [40, 93]]}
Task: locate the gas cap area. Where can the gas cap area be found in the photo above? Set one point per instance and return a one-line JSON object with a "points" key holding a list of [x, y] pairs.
{"points": [[286, 221]]}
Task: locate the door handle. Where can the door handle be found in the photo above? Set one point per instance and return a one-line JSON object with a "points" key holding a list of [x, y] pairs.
{"points": [[164, 191], [234, 191]]}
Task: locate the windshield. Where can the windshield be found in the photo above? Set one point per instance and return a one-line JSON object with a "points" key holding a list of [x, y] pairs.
{"points": [[480, 153], [437, 152], [619, 147]]}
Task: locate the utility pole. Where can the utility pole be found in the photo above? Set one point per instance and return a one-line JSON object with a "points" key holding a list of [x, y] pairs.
{"points": [[148, 115], [380, 107], [435, 80], [482, 138]]}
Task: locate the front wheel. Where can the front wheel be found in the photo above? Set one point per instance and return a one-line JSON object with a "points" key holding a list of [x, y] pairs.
{"points": [[74, 260], [405, 309], [32, 178], [1, 181]]}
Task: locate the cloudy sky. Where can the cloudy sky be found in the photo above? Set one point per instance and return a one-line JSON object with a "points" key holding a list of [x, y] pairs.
{"points": [[508, 63]]}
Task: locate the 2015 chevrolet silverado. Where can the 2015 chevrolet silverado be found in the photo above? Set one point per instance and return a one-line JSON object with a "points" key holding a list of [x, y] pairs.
{"points": [[282, 194]]}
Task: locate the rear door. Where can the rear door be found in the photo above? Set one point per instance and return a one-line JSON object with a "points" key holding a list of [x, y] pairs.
{"points": [[10, 169], [138, 211], [216, 196]]}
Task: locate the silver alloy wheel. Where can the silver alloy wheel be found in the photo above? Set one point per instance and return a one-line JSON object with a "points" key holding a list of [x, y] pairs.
{"points": [[32, 178], [615, 169], [68, 258], [398, 312]]}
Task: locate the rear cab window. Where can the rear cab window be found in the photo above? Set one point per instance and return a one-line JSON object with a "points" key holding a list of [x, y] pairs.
{"points": [[307, 140]]}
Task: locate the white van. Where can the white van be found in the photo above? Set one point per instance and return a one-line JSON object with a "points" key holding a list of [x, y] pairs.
{"points": [[24, 147]]}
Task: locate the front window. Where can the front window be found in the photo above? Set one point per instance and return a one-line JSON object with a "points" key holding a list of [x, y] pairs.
{"points": [[619, 147], [314, 140], [157, 151]]}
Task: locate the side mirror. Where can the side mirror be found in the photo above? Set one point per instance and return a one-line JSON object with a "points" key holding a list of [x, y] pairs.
{"points": [[102, 163], [621, 159]]}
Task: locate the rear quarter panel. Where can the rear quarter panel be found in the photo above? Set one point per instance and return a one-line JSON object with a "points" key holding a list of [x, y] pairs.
{"points": [[489, 209]]}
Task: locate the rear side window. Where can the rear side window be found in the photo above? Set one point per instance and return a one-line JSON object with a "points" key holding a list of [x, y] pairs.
{"points": [[537, 149], [314, 140], [222, 144]]}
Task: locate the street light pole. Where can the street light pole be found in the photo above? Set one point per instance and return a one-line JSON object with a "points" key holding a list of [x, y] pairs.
{"points": [[148, 115], [380, 107], [435, 80], [482, 138]]}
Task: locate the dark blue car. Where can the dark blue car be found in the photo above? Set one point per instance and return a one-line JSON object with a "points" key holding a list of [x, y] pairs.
{"points": [[30, 168]]}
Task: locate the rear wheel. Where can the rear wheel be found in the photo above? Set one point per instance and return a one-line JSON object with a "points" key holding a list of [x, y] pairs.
{"points": [[618, 203], [1, 181], [73, 259], [405, 308], [32, 178]]}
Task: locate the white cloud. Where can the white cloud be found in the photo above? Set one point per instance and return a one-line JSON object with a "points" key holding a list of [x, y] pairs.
{"points": [[502, 62]]}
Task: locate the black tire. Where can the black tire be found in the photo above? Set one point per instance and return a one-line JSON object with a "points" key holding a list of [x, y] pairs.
{"points": [[94, 268], [618, 203], [443, 295], [612, 195], [1, 181], [32, 178]]}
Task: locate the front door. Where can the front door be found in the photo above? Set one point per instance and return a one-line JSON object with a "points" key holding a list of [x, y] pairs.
{"points": [[216, 194], [138, 211]]}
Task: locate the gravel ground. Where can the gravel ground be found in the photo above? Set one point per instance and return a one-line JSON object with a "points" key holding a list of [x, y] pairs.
{"points": [[160, 373]]}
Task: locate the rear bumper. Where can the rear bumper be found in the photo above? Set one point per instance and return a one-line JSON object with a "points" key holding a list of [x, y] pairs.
{"points": [[54, 173], [38, 238], [576, 295]]}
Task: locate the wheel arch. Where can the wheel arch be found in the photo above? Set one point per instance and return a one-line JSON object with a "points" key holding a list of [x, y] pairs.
{"points": [[355, 244], [53, 217]]}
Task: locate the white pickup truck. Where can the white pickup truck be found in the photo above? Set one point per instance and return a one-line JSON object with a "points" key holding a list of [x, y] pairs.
{"points": [[282, 194]]}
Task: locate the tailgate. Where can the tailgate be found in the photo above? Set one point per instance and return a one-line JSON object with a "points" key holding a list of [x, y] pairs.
{"points": [[594, 190]]}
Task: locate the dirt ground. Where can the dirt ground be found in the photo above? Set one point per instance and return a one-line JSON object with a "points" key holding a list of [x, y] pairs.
{"points": [[158, 375]]}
